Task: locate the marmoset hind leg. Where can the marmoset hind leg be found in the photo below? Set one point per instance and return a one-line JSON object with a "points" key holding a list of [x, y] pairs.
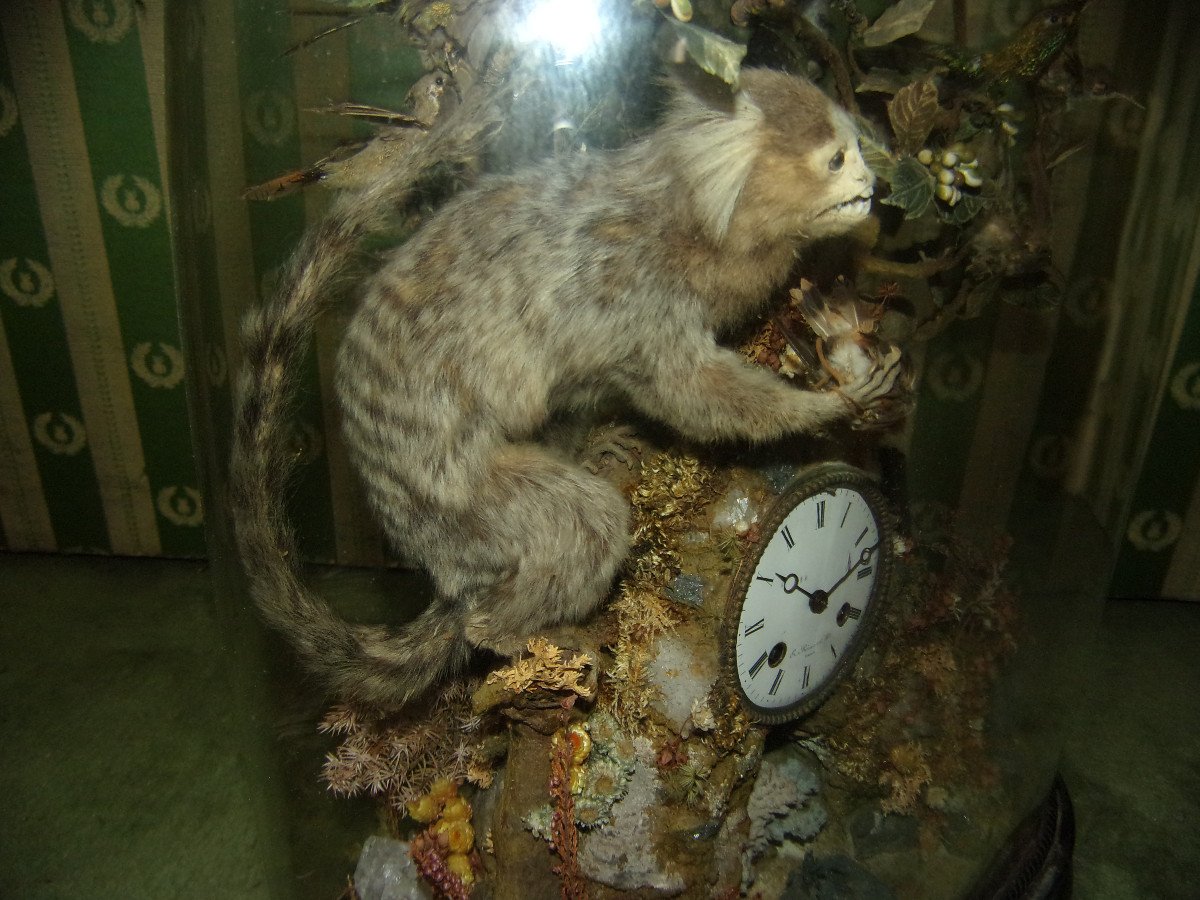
{"points": [[551, 533]]}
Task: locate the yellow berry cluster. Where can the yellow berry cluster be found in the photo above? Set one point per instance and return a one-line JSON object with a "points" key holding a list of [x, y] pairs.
{"points": [[450, 818], [956, 171]]}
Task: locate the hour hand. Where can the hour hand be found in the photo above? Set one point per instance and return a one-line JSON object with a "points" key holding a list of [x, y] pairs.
{"points": [[791, 584]]}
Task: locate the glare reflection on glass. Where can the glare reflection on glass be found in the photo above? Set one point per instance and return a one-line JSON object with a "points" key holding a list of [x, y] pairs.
{"points": [[571, 27]]}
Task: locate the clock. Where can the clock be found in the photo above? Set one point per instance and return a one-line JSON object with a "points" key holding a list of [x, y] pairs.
{"points": [[804, 600]]}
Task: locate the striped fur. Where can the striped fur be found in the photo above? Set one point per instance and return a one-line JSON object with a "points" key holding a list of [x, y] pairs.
{"points": [[527, 298]]}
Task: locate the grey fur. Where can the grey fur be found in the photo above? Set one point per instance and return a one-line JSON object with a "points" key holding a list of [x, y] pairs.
{"points": [[532, 296]]}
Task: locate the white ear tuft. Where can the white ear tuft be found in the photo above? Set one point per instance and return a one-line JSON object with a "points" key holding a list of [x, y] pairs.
{"points": [[715, 152]]}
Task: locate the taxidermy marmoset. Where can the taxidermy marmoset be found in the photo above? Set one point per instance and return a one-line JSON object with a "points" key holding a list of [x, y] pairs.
{"points": [[529, 297]]}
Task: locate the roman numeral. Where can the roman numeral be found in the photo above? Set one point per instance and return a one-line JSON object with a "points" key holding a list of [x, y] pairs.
{"points": [[787, 538], [846, 513], [820, 513], [861, 536], [757, 626], [805, 679], [757, 667], [764, 578], [775, 683], [864, 572], [833, 650]]}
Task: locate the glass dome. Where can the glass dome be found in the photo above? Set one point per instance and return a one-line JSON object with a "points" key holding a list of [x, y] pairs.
{"points": [[1002, 141]]}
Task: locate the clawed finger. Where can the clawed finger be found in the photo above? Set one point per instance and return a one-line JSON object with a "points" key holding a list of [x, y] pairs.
{"points": [[881, 380]]}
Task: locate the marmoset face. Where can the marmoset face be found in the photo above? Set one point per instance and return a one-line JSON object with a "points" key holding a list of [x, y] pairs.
{"points": [[846, 184], [808, 179]]}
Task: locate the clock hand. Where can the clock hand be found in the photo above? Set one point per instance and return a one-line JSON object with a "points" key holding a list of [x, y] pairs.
{"points": [[862, 558], [794, 586]]}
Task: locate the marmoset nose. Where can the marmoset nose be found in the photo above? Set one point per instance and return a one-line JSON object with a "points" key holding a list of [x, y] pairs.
{"points": [[859, 170]]}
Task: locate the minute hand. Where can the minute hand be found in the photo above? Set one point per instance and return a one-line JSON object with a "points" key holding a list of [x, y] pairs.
{"points": [[862, 558]]}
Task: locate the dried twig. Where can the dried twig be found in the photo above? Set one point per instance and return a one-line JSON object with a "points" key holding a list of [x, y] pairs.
{"points": [[564, 836], [960, 22], [833, 59]]}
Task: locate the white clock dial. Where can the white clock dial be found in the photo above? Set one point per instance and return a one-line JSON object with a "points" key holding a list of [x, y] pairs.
{"points": [[808, 595]]}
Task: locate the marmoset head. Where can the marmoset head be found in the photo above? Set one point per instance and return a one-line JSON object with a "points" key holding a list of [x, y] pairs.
{"points": [[781, 160]]}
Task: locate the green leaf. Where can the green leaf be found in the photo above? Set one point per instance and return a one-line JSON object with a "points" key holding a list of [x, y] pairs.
{"points": [[905, 18], [714, 54], [966, 131], [912, 188], [913, 112], [877, 157], [962, 212], [869, 129]]}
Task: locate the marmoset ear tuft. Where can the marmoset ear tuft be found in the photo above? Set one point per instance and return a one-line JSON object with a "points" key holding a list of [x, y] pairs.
{"points": [[712, 134], [685, 78]]}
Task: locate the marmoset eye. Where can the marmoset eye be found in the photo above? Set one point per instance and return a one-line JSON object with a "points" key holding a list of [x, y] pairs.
{"points": [[839, 160]]}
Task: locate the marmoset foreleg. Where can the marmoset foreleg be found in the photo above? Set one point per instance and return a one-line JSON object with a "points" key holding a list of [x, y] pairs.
{"points": [[715, 395]]}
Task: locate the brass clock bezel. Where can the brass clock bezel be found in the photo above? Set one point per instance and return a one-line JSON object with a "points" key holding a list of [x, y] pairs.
{"points": [[819, 479]]}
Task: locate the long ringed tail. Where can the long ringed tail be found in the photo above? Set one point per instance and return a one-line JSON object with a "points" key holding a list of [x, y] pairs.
{"points": [[366, 664]]}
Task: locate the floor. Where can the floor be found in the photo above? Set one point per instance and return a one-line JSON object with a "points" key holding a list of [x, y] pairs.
{"points": [[134, 764], [1132, 761], [129, 768], [121, 770]]}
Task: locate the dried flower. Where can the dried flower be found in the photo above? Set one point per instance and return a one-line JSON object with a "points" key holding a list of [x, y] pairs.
{"points": [[434, 869], [457, 835], [688, 783], [908, 773], [407, 757], [547, 668], [460, 865]]}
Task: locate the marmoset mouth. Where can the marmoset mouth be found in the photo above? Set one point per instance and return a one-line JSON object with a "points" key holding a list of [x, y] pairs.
{"points": [[858, 205]]}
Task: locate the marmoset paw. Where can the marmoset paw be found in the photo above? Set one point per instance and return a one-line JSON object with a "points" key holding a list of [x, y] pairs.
{"points": [[880, 397], [611, 445], [876, 384]]}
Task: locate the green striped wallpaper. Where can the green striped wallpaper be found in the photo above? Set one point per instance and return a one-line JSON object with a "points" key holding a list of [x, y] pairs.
{"points": [[113, 415], [95, 412], [1141, 432]]}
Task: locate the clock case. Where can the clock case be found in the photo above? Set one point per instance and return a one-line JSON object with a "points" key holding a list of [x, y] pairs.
{"points": [[816, 479]]}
